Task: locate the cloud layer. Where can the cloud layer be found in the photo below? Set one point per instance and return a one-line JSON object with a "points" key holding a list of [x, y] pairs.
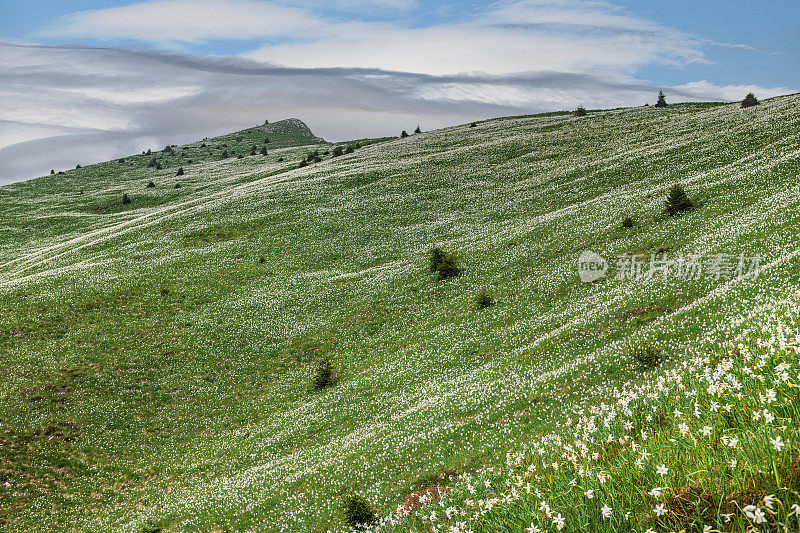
{"points": [[347, 78]]}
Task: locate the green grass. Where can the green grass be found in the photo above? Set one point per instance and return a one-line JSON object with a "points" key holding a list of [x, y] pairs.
{"points": [[158, 373]]}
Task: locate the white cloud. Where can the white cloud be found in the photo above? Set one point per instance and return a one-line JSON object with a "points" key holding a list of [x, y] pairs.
{"points": [[65, 105], [169, 21]]}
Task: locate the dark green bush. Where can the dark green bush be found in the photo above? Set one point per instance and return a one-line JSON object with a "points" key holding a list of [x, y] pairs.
{"points": [[473, 125], [177, 185], [648, 357], [750, 100], [358, 512], [325, 375], [253, 150], [677, 201], [263, 150], [338, 151], [150, 185], [417, 130], [125, 199], [580, 112], [302, 164], [180, 171], [52, 171], [628, 222], [445, 264], [224, 154], [662, 102], [350, 149], [403, 134], [484, 300]]}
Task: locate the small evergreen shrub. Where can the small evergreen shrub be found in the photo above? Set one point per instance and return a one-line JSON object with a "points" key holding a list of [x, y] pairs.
{"points": [[417, 130], [168, 150], [280, 160], [253, 150], [403, 134], [152, 162], [263, 150], [77, 167], [180, 171], [358, 512], [266, 140], [750, 100], [240, 156], [177, 185], [648, 357], [325, 375], [677, 201], [224, 154], [337, 151], [628, 222], [473, 125], [484, 300], [662, 102], [125, 199], [158, 166], [150, 185], [302, 164], [580, 112], [149, 151], [445, 264], [52, 171], [436, 256], [350, 149]]}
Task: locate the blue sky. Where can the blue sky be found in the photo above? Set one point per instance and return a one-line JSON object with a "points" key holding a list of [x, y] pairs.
{"points": [[127, 75]]}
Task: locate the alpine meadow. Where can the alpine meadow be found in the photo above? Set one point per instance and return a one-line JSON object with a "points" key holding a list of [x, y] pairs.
{"points": [[267, 331]]}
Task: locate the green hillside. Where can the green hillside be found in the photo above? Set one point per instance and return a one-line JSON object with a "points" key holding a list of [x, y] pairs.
{"points": [[158, 355]]}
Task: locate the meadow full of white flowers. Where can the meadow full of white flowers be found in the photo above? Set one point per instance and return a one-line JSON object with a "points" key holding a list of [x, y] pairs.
{"points": [[194, 321]]}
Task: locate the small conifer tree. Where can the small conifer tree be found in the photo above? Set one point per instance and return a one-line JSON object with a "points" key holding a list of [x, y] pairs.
{"points": [[580, 112], [417, 130], [180, 171], [263, 150], [358, 512], [325, 375], [403, 134], [125, 199], [750, 100], [678, 201], [662, 101]]}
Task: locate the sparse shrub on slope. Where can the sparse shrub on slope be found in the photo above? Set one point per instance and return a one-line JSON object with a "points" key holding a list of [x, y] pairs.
{"points": [[750, 100], [418, 130], [358, 512], [580, 112], [350, 149], [484, 300], [337, 151], [150, 185], [662, 101], [628, 222], [263, 150], [647, 357], [125, 199], [403, 134], [444, 264], [325, 375], [678, 201], [180, 171]]}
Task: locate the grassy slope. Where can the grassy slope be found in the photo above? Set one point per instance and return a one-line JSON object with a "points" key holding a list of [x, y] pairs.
{"points": [[156, 369]]}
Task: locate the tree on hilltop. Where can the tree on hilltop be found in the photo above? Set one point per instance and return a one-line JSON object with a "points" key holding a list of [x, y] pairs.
{"points": [[662, 102], [750, 100]]}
